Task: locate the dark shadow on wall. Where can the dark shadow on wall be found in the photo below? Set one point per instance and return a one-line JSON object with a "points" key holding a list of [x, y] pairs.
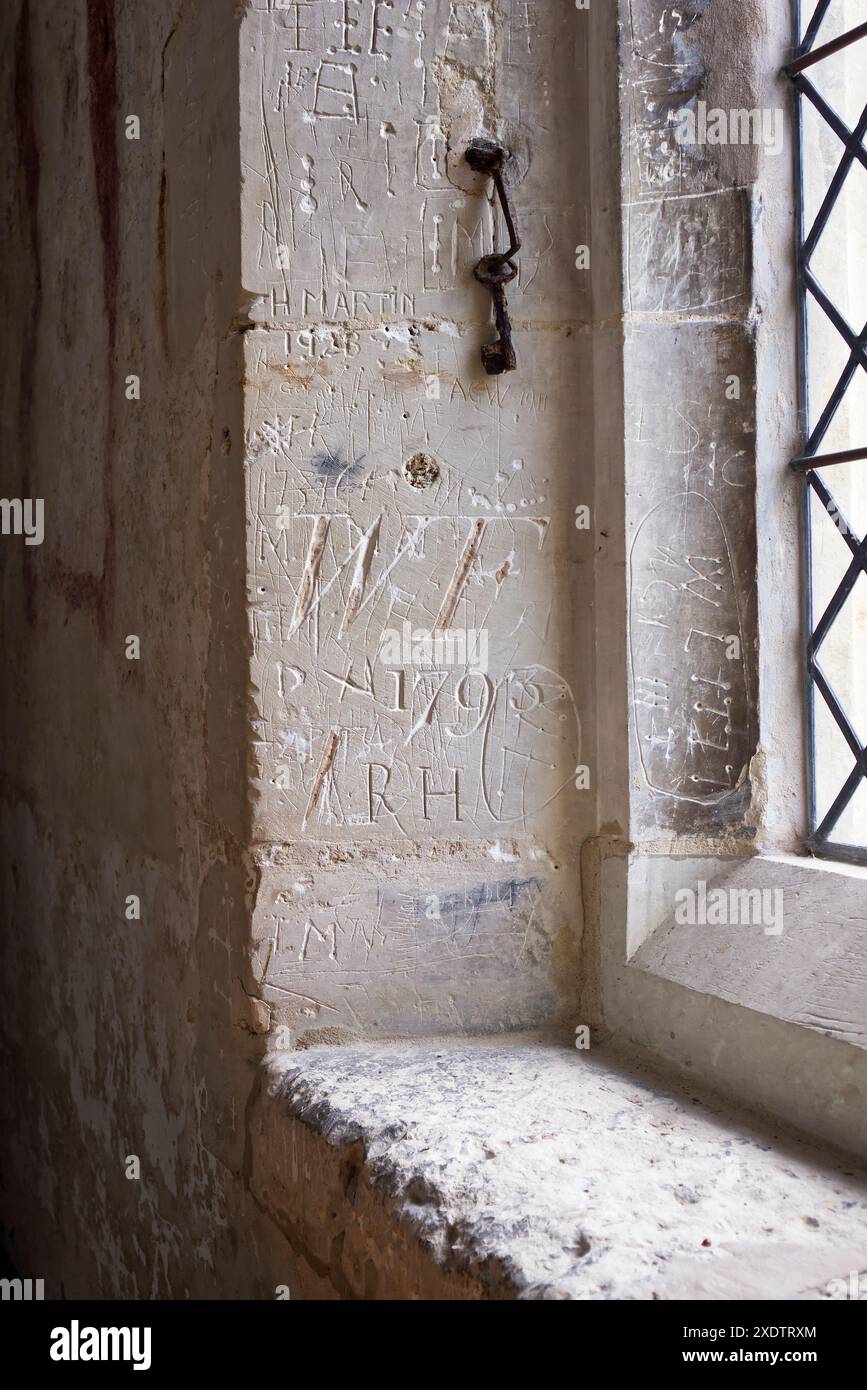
{"points": [[123, 795]]}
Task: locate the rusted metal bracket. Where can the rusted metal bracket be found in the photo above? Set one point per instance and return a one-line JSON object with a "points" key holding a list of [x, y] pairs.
{"points": [[496, 270]]}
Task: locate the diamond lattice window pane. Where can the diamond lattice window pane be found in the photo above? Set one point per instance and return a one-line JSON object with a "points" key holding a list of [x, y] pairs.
{"points": [[851, 828], [834, 759], [850, 486], [844, 278], [823, 151], [848, 430], [834, 185], [828, 356], [831, 556], [843, 658], [809, 9], [841, 78]]}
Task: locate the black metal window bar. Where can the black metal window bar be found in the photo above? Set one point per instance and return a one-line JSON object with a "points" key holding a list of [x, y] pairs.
{"points": [[805, 73]]}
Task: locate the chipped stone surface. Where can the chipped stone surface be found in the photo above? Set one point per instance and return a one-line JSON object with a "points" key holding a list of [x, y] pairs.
{"points": [[559, 1175]]}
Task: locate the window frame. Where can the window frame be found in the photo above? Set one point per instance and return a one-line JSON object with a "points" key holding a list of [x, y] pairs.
{"points": [[808, 51]]}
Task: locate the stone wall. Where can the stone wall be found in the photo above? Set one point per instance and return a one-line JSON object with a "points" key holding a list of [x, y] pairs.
{"points": [[247, 384], [354, 694], [417, 817], [124, 777]]}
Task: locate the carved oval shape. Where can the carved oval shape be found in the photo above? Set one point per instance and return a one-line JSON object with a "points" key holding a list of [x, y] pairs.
{"points": [[532, 745]]}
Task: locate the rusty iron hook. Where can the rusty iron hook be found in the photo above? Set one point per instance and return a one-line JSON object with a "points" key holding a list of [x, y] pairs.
{"points": [[498, 269]]}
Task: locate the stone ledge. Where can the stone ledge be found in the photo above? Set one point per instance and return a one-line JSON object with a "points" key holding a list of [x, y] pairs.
{"points": [[805, 966], [522, 1169]]}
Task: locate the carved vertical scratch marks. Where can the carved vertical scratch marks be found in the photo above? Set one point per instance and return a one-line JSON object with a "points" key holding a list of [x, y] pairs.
{"points": [[359, 574], [460, 576], [329, 753], [311, 572]]}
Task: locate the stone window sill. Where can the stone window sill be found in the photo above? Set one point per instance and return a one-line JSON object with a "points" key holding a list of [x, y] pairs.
{"points": [[518, 1168], [807, 965]]}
